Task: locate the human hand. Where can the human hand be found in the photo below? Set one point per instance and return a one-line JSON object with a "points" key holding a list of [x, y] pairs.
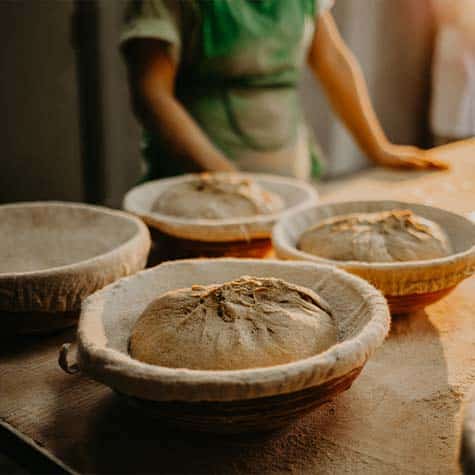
{"points": [[408, 157]]}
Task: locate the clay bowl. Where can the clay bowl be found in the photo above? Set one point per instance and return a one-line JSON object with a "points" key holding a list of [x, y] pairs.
{"points": [[407, 286], [228, 401], [53, 255], [176, 238]]}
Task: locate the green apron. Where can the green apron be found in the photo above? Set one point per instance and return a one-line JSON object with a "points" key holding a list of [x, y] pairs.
{"points": [[240, 85]]}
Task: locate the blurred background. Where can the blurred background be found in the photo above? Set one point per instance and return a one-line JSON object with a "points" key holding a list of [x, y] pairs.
{"points": [[68, 132]]}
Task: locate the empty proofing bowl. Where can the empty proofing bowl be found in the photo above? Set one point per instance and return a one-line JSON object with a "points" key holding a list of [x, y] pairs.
{"points": [[53, 255], [239, 400], [408, 286], [233, 237]]}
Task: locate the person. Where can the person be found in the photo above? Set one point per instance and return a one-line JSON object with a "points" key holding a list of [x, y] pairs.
{"points": [[214, 84]]}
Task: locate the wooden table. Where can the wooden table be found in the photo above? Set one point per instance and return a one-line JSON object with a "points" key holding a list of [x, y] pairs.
{"points": [[402, 414]]}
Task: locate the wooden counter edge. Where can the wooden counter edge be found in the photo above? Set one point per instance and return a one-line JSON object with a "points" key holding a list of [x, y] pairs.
{"points": [[29, 454]]}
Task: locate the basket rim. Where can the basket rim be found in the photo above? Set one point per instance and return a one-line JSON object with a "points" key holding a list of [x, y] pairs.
{"points": [[140, 237], [115, 368], [281, 245], [172, 224]]}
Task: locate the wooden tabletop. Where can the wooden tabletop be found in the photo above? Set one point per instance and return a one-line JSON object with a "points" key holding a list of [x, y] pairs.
{"points": [[402, 415]]}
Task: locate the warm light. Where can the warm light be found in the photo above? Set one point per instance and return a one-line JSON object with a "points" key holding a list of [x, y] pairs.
{"points": [[459, 14]]}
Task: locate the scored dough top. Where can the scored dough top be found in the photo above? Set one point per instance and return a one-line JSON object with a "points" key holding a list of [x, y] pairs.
{"points": [[397, 235], [217, 197], [246, 323]]}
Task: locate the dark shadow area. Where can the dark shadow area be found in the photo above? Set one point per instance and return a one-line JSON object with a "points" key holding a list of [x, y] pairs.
{"points": [[24, 346], [121, 440]]}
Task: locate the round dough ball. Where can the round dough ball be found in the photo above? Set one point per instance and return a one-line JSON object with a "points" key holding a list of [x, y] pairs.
{"points": [[247, 323], [389, 236], [220, 196]]}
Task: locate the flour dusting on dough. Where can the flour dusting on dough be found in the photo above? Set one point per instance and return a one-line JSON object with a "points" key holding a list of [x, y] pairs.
{"points": [[389, 236], [217, 197], [247, 323]]}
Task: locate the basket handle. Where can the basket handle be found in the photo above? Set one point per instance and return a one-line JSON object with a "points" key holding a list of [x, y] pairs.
{"points": [[65, 365]]}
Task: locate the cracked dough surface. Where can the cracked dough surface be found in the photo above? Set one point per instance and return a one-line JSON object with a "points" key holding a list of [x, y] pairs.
{"points": [[389, 236], [247, 323], [217, 197]]}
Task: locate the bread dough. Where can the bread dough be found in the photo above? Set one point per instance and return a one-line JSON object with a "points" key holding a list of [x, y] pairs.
{"points": [[247, 323], [397, 235], [217, 197]]}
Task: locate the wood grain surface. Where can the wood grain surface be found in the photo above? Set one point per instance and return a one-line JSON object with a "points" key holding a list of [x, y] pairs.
{"points": [[402, 414]]}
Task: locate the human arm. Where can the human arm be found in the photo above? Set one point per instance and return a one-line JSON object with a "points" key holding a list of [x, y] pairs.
{"points": [[342, 79], [152, 72]]}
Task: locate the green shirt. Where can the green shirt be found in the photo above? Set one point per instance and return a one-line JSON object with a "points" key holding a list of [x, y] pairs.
{"points": [[239, 66]]}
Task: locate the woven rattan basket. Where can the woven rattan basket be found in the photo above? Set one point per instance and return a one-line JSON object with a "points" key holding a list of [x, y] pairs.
{"points": [[234, 237], [229, 401], [53, 255], [408, 286]]}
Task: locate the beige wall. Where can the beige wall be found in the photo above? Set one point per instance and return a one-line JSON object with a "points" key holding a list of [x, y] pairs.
{"points": [[120, 130], [39, 124]]}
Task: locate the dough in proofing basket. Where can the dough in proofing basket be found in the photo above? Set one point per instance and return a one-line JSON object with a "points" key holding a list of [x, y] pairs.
{"points": [[246, 323], [385, 236], [217, 196]]}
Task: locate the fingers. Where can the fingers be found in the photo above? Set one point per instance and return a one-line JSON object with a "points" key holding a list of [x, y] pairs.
{"points": [[434, 163], [438, 164], [416, 163], [407, 163], [409, 157]]}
